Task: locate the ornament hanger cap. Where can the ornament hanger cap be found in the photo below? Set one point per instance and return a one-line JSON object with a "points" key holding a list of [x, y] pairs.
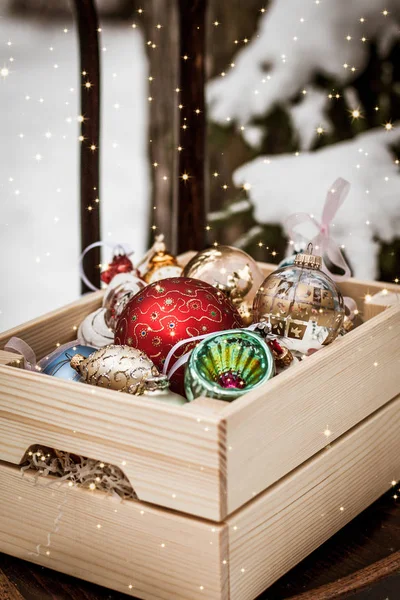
{"points": [[153, 384], [308, 260], [76, 361]]}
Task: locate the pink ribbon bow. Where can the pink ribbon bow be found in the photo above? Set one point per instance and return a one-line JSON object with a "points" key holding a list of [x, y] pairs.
{"points": [[323, 244]]}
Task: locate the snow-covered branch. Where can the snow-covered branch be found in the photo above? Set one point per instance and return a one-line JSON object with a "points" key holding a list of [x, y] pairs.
{"points": [[284, 184], [295, 41]]}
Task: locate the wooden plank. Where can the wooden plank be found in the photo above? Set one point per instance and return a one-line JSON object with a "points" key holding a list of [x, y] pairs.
{"points": [[10, 358], [184, 258], [369, 577], [284, 524], [296, 414], [372, 310], [358, 290], [377, 303], [128, 546], [59, 326], [173, 457]]}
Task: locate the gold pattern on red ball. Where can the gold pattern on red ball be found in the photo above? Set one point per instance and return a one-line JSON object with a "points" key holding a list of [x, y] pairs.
{"points": [[172, 310]]}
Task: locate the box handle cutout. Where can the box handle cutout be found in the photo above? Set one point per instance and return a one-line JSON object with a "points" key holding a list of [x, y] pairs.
{"points": [[78, 471]]}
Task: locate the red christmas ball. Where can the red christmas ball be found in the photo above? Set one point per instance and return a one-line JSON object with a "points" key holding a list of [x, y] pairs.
{"points": [[171, 310]]}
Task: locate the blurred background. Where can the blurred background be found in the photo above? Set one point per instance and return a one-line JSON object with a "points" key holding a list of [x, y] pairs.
{"points": [[298, 94]]}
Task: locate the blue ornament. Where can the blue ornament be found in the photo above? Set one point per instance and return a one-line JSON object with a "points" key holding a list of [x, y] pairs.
{"points": [[287, 262], [57, 363]]}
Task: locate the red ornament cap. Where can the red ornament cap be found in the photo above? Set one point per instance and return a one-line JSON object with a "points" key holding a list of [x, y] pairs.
{"points": [[171, 310]]}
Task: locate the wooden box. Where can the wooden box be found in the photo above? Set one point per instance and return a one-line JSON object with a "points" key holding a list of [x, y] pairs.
{"points": [[231, 496]]}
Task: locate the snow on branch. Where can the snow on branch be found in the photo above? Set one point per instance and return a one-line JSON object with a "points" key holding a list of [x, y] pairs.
{"points": [[295, 41], [283, 184]]}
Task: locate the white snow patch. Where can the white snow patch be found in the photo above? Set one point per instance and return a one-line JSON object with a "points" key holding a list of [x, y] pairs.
{"points": [[296, 40], [285, 184], [309, 115]]}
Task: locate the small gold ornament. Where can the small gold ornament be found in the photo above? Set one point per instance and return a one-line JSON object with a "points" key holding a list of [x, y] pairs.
{"points": [[162, 266], [120, 368], [158, 264]]}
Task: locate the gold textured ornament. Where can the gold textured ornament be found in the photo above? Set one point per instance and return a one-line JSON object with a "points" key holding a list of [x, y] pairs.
{"points": [[162, 266], [230, 270], [302, 304], [120, 368]]}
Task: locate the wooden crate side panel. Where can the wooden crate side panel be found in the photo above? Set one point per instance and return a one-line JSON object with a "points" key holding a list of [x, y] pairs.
{"points": [[358, 290], [297, 413], [372, 310], [173, 456], [283, 525], [59, 326], [10, 358], [162, 555]]}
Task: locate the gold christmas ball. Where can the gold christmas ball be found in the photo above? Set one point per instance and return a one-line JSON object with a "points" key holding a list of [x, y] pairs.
{"points": [[120, 368], [228, 269], [162, 266]]}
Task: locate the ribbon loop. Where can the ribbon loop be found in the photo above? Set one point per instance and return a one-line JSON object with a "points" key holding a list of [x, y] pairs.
{"points": [[116, 246], [334, 199], [15, 344], [322, 242]]}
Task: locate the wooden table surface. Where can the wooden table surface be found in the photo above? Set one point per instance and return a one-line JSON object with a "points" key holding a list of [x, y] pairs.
{"points": [[362, 561]]}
